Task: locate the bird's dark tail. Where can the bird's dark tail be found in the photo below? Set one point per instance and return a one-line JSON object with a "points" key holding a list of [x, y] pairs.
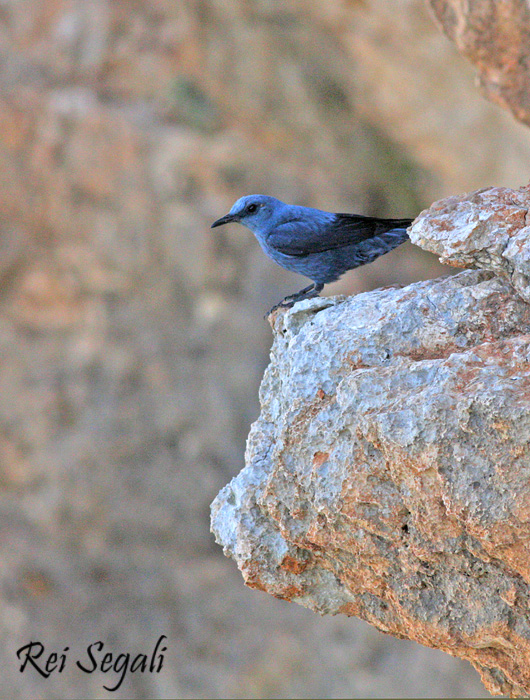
{"points": [[353, 228], [396, 223], [388, 240], [384, 239], [396, 235], [392, 231]]}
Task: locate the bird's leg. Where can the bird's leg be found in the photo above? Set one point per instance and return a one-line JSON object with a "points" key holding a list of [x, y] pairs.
{"points": [[307, 293]]}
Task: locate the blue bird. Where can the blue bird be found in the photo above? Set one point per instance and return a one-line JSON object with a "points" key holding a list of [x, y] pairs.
{"points": [[318, 244]]}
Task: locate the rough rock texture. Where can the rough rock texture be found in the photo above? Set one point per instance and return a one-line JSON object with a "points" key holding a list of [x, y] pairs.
{"points": [[388, 476], [495, 36], [488, 229]]}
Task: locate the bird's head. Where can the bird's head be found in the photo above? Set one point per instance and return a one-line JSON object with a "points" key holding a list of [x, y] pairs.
{"points": [[255, 211]]}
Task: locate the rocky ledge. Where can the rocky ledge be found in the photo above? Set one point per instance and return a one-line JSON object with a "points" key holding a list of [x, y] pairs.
{"points": [[388, 475]]}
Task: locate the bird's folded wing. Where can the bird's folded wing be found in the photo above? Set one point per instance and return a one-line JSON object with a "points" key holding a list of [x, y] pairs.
{"points": [[300, 237]]}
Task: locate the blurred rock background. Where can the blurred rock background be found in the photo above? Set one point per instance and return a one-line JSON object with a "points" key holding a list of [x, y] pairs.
{"points": [[132, 341]]}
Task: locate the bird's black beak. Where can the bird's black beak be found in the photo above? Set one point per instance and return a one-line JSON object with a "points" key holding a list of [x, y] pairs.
{"points": [[223, 220]]}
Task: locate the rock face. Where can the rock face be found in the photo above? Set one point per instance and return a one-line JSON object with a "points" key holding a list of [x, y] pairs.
{"points": [[388, 476], [495, 36], [487, 229]]}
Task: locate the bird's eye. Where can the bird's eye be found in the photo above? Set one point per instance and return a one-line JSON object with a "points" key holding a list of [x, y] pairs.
{"points": [[252, 208]]}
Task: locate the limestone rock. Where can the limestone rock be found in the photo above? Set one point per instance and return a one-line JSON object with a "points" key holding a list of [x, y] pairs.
{"points": [[487, 229], [388, 475]]}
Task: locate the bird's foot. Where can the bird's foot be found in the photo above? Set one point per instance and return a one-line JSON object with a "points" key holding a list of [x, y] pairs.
{"points": [[308, 293]]}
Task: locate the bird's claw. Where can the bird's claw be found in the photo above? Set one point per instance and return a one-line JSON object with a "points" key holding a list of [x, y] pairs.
{"points": [[308, 293], [285, 304]]}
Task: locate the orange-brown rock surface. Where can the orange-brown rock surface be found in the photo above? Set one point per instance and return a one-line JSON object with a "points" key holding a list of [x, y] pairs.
{"points": [[495, 37], [388, 475]]}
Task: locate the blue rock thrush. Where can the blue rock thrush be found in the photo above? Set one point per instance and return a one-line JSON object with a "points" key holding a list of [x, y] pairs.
{"points": [[318, 244]]}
